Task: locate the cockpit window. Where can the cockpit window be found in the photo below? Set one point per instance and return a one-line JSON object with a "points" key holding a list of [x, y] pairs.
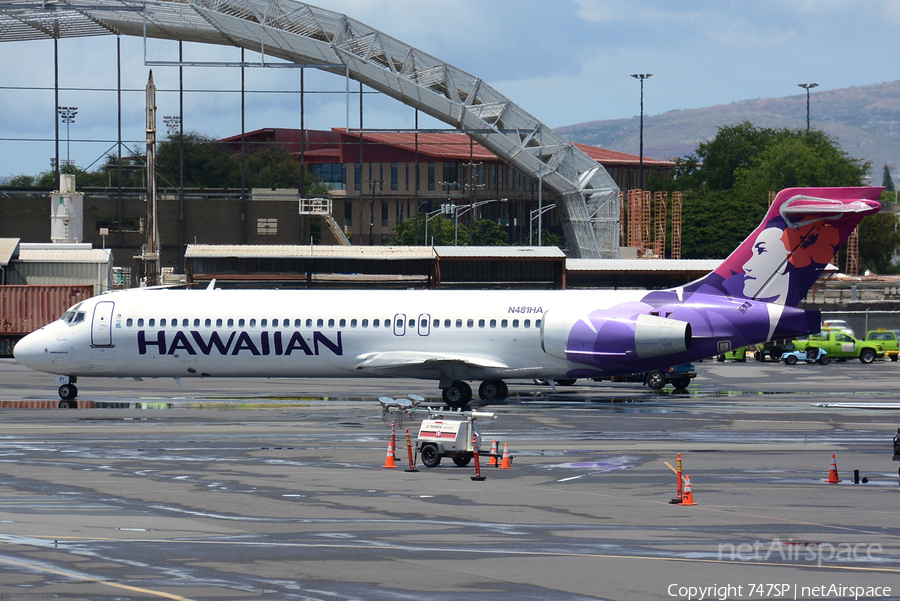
{"points": [[72, 317]]}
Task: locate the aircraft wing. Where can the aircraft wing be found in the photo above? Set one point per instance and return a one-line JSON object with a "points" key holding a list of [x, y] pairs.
{"points": [[416, 359]]}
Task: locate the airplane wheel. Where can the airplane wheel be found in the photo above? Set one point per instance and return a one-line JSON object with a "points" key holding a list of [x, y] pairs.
{"points": [[68, 392], [656, 380], [458, 394], [430, 455], [493, 390]]}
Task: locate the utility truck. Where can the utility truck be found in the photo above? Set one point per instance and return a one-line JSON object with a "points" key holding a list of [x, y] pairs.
{"points": [[840, 345]]}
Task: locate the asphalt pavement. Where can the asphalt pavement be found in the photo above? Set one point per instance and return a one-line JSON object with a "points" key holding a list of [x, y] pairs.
{"points": [[275, 489]]}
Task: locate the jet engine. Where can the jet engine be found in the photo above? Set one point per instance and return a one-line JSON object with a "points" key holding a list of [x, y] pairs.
{"points": [[612, 336]]}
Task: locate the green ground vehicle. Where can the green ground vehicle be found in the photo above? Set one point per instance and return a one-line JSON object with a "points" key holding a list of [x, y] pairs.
{"points": [[739, 354], [888, 341], [840, 346]]}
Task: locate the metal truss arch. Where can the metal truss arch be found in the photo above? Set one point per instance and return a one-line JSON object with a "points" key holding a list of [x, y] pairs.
{"points": [[586, 195]]}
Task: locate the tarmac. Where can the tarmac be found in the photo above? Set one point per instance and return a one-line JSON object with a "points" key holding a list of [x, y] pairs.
{"points": [[274, 489]]}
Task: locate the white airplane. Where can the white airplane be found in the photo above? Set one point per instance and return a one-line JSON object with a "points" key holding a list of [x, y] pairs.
{"points": [[455, 336]]}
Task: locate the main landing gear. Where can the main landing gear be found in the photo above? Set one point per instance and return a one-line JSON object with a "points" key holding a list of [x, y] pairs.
{"points": [[459, 393]]}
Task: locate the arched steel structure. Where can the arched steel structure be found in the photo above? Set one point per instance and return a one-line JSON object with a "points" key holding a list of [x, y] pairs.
{"points": [[586, 195]]}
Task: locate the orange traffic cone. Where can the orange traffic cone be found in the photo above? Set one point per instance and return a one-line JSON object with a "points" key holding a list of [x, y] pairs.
{"points": [[389, 460], [688, 495], [832, 473], [506, 465], [493, 460]]}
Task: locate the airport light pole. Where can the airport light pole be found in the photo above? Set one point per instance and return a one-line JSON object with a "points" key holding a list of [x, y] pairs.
{"points": [[457, 211], [67, 114], [535, 214], [642, 77], [807, 87]]}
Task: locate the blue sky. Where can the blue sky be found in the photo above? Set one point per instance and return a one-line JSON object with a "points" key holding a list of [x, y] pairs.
{"points": [[565, 62]]}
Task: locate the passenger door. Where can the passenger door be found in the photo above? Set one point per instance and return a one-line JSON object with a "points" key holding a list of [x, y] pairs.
{"points": [[101, 324]]}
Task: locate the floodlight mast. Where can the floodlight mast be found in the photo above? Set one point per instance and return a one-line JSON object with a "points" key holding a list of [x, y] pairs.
{"points": [[807, 87]]}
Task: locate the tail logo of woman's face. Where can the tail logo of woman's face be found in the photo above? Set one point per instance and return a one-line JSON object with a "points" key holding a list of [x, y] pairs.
{"points": [[777, 252]]}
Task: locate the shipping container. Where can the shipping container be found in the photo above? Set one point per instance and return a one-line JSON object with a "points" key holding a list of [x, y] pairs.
{"points": [[24, 309]]}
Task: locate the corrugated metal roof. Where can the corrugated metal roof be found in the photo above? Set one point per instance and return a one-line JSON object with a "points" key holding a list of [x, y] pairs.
{"points": [[9, 248], [633, 265], [275, 251], [52, 255], [517, 252]]}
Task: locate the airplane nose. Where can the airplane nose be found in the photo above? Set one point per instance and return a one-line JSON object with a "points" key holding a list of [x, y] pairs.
{"points": [[32, 352]]}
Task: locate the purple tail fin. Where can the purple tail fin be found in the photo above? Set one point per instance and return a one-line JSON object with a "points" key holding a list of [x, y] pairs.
{"points": [[799, 236]]}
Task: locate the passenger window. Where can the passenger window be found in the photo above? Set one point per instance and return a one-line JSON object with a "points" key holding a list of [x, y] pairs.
{"points": [[527, 323], [458, 323], [274, 323], [162, 322], [219, 323], [208, 322], [196, 322], [387, 323], [470, 323], [352, 323], [241, 322], [330, 323], [480, 323], [376, 323], [446, 323], [185, 322], [309, 323], [151, 322], [504, 323], [320, 322], [230, 322], [515, 323], [343, 323], [412, 323], [436, 323], [537, 323], [365, 323], [129, 322], [424, 323], [253, 323], [493, 323], [140, 322]]}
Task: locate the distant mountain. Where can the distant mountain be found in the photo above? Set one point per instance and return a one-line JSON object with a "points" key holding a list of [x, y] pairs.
{"points": [[865, 121]]}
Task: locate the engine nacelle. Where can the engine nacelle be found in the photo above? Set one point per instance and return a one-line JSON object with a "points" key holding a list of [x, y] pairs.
{"points": [[612, 336]]}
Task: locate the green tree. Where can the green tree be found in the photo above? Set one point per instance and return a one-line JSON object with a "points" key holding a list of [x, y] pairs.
{"points": [[716, 222], [878, 241], [441, 231], [206, 163], [798, 159], [486, 232], [734, 147], [886, 180]]}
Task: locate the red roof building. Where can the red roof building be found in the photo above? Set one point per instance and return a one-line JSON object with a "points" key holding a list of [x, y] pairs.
{"points": [[375, 174]]}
